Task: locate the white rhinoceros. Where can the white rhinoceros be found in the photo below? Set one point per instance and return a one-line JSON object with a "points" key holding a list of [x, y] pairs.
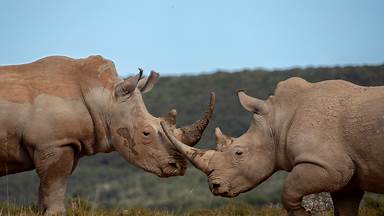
{"points": [[57, 109], [329, 135]]}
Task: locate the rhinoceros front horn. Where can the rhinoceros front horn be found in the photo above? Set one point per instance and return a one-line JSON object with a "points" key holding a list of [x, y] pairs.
{"points": [[191, 134], [199, 158]]}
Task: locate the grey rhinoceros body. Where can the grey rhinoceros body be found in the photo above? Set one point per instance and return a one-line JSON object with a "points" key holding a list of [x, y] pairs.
{"points": [[58, 109], [329, 135], [341, 126]]}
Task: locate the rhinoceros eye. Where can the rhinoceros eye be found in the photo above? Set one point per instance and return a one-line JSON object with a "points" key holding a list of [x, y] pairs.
{"points": [[238, 152]]}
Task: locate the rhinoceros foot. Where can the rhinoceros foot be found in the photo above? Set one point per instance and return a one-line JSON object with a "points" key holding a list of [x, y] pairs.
{"points": [[299, 212]]}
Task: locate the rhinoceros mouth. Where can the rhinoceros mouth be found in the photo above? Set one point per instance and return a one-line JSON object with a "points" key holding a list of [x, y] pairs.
{"points": [[228, 194], [172, 168], [231, 195], [225, 193]]}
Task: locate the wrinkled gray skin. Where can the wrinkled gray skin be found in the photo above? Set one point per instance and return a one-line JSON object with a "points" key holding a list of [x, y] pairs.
{"points": [[329, 135], [57, 109]]}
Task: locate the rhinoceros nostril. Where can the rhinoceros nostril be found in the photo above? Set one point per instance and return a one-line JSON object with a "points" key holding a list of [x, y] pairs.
{"points": [[215, 185], [173, 164]]}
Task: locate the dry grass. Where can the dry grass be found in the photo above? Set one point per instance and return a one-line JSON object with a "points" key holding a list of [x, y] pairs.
{"points": [[82, 208], [79, 207]]}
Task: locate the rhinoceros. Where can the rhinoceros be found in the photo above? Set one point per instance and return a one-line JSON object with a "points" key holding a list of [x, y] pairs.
{"points": [[329, 135], [55, 110]]}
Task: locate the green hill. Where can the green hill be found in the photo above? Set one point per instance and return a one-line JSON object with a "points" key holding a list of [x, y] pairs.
{"points": [[109, 181]]}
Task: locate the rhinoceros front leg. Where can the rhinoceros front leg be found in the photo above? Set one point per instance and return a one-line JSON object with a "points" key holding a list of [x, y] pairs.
{"points": [[54, 167], [307, 179], [346, 201]]}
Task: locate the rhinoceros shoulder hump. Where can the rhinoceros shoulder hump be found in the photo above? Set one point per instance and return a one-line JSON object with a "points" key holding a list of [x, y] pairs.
{"points": [[292, 86], [100, 69]]}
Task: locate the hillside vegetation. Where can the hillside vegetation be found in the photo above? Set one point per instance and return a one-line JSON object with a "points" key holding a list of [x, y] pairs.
{"points": [[106, 180]]}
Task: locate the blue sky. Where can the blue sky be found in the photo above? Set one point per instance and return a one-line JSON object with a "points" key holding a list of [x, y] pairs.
{"points": [[177, 37]]}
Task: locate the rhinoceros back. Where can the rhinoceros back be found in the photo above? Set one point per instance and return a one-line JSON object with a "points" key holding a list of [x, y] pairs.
{"points": [[56, 75]]}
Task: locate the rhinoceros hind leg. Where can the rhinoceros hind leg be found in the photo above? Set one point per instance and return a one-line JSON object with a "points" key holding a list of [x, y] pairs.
{"points": [[346, 201], [54, 167], [305, 179]]}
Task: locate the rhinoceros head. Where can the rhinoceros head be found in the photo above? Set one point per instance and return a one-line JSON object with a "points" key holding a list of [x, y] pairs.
{"points": [[138, 136], [238, 164]]}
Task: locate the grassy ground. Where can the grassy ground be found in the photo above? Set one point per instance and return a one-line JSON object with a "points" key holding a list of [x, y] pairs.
{"points": [[81, 208]]}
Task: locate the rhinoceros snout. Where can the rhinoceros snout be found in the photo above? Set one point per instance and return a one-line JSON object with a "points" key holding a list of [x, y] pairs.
{"points": [[214, 185], [217, 188]]}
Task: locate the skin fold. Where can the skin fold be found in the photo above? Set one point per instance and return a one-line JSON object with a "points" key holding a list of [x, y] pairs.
{"points": [[58, 109], [329, 135]]}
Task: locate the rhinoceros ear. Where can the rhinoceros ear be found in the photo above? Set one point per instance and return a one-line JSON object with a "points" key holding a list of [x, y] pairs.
{"points": [[145, 85], [128, 85], [252, 104]]}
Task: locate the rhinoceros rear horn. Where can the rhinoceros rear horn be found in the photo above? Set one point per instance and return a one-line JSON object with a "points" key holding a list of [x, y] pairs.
{"points": [[252, 104], [191, 134], [128, 85], [170, 118], [222, 140]]}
